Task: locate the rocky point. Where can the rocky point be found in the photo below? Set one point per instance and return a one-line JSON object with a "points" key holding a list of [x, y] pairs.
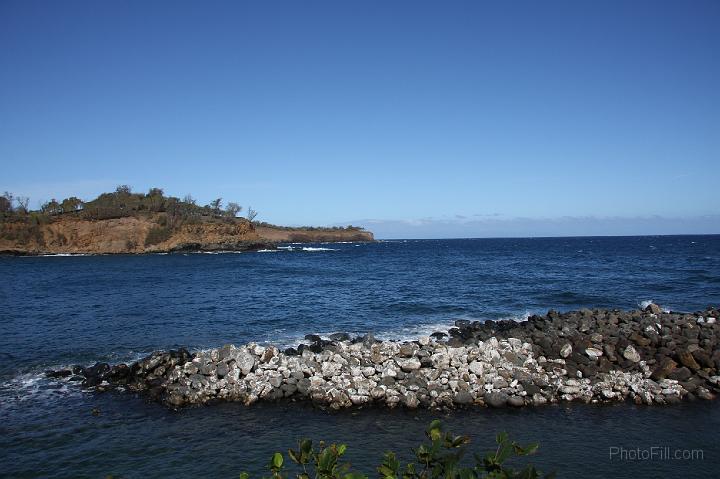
{"points": [[648, 356]]}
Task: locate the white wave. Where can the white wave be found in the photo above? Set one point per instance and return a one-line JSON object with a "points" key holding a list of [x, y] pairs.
{"points": [[36, 386], [267, 251], [310, 248], [645, 303], [57, 255], [218, 252], [413, 332], [518, 317]]}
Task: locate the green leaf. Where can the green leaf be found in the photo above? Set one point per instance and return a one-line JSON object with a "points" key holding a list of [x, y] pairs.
{"points": [[503, 453], [244, 475], [532, 448], [501, 437], [277, 460], [341, 449], [460, 441], [326, 459], [435, 430], [386, 471]]}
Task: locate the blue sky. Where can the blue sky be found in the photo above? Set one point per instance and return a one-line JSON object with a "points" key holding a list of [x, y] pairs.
{"points": [[416, 119]]}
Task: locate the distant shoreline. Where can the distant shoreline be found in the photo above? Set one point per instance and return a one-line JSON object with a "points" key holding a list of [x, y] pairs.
{"points": [[144, 234], [684, 235]]}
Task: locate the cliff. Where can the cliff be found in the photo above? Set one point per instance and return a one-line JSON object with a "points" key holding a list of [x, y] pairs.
{"points": [[150, 233], [126, 222], [312, 235]]}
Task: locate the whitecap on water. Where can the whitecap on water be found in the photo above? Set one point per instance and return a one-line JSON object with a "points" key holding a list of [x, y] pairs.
{"points": [[647, 302], [36, 386]]}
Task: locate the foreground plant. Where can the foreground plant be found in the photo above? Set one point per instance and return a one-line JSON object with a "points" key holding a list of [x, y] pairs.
{"points": [[440, 458]]}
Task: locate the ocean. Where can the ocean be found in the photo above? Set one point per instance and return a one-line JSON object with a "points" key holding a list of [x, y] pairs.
{"points": [[58, 311]]}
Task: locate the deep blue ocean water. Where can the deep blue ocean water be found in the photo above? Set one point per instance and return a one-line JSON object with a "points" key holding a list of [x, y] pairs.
{"points": [[57, 311]]}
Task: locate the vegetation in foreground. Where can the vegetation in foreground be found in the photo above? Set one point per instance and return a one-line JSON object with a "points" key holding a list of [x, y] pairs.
{"points": [[442, 457]]}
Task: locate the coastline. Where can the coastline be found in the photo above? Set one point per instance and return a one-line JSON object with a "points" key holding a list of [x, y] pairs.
{"points": [[594, 356], [145, 232]]}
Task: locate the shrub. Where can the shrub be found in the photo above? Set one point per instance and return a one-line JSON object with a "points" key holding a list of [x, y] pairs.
{"points": [[439, 459], [157, 234]]}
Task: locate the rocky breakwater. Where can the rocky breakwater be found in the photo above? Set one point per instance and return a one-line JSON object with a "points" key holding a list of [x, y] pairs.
{"points": [[649, 357]]}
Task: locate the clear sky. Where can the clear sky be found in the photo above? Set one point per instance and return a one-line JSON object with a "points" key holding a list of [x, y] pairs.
{"points": [[416, 119]]}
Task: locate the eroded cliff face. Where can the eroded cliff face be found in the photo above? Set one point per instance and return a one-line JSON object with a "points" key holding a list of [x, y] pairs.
{"points": [[125, 235], [148, 234], [304, 235]]}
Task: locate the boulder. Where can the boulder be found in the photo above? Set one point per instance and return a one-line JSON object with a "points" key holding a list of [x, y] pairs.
{"points": [[664, 367], [703, 359], [496, 399], [463, 398], [340, 337], [593, 353], [476, 367], [680, 374], [686, 359], [516, 401], [245, 362], [407, 365], [631, 354]]}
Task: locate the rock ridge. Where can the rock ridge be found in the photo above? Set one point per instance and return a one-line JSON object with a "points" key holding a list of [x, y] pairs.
{"points": [[594, 356]]}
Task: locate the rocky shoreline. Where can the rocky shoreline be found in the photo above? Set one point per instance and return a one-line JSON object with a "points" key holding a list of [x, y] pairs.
{"points": [[647, 356]]}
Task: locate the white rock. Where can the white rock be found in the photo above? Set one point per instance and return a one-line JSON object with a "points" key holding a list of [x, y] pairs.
{"points": [[593, 353], [476, 367], [631, 354], [245, 361], [410, 364], [515, 343]]}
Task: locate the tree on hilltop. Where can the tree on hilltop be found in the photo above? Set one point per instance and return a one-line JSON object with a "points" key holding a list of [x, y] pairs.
{"points": [[71, 204], [156, 199], [51, 207], [216, 205], [232, 209], [22, 204], [6, 202]]}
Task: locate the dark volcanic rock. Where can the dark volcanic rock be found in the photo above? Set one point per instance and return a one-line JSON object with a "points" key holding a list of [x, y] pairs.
{"points": [[648, 357], [680, 374], [496, 399], [687, 359], [664, 367], [340, 337]]}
